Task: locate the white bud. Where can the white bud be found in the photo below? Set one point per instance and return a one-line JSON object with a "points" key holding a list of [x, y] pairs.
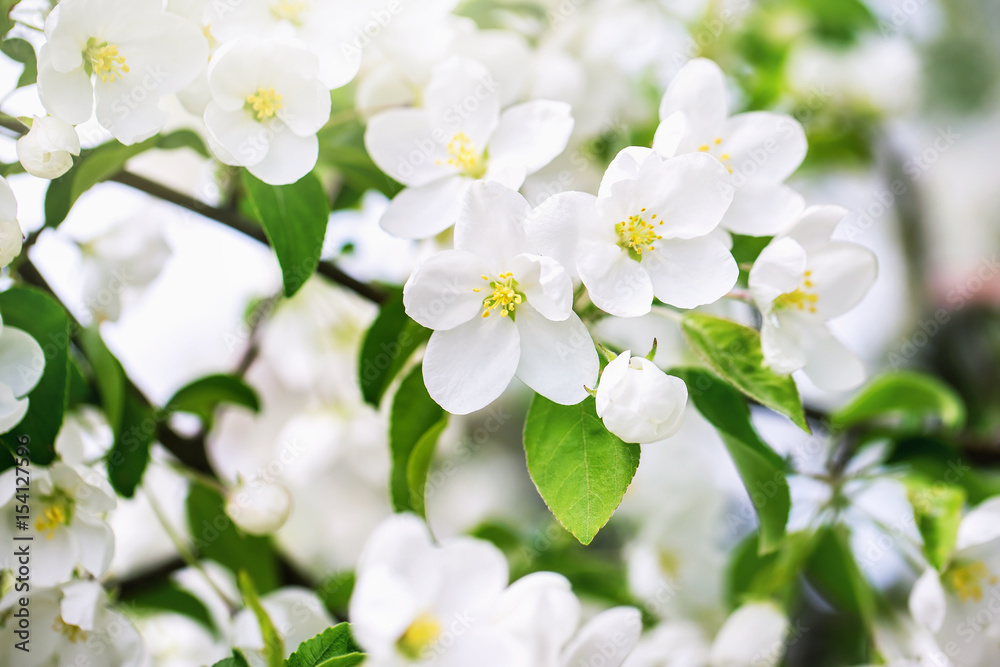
{"points": [[259, 507], [638, 402], [47, 150]]}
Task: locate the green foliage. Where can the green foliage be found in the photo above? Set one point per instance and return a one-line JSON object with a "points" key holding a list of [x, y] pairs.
{"points": [[6, 23], [274, 647], [169, 598], [388, 344], [733, 351], [760, 468], [42, 318], [334, 647], [294, 217], [236, 660], [833, 571], [580, 469], [21, 51], [204, 395], [417, 423], [937, 509], [335, 592], [754, 575], [907, 398], [217, 538]]}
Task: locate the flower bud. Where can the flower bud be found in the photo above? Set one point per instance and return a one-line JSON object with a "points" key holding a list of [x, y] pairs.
{"points": [[638, 402], [258, 507], [47, 150]]}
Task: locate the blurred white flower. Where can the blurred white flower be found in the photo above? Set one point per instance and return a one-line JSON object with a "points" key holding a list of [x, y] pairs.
{"points": [[459, 137], [22, 363], [258, 506], [638, 402], [135, 53], [267, 106], [801, 280], [11, 236], [296, 613], [47, 150], [759, 149], [497, 311], [647, 233]]}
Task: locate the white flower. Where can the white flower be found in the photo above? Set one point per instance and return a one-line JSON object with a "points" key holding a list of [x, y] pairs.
{"points": [[47, 150], [417, 602], [498, 310], [760, 149], [70, 625], [607, 639], [638, 402], [801, 280], [958, 605], [66, 509], [267, 106], [11, 235], [22, 363], [135, 53], [647, 233], [259, 507], [458, 137]]}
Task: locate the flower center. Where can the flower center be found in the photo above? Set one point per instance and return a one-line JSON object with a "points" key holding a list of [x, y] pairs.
{"points": [[504, 296], [465, 156], [423, 632], [721, 156], [265, 103], [72, 632], [103, 60], [289, 10], [967, 580], [637, 235], [57, 514], [801, 297]]}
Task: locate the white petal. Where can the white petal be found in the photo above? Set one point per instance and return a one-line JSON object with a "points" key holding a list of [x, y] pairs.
{"points": [[132, 116], [752, 635], [427, 210], [669, 134], [463, 96], [492, 224], [440, 294], [691, 272], [164, 52], [68, 96], [763, 210], [764, 147], [79, 605], [404, 145], [306, 105], [468, 367], [476, 575], [531, 135], [558, 359], [22, 361], [980, 525], [8, 205], [12, 409], [557, 225], [814, 228], [289, 157], [539, 600], [235, 137], [928, 603], [53, 559], [782, 343], [626, 166], [830, 365], [608, 638], [96, 542], [843, 273], [545, 284], [699, 91], [617, 284], [779, 269]]}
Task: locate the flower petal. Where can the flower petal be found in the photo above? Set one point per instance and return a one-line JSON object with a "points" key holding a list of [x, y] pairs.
{"points": [[699, 91], [782, 344], [289, 157], [752, 635], [441, 294], [468, 367], [12, 409], [928, 603], [476, 575], [492, 223], [424, 211], [609, 637], [669, 134], [815, 227], [558, 359], [557, 226], [830, 364], [626, 166], [980, 525], [463, 96], [403, 144], [235, 137], [843, 273], [22, 361], [763, 210], [132, 117], [96, 541], [531, 135], [617, 284], [691, 272], [764, 147], [779, 269], [540, 599], [69, 96], [546, 285]]}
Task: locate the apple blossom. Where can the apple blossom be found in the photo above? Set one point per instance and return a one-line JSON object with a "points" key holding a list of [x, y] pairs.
{"points": [[647, 233], [760, 149], [459, 137], [259, 507], [126, 54], [638, 402], [11, 236], [47, 150], [498, 310], [267, 106], [801, 280], [22, 362]]}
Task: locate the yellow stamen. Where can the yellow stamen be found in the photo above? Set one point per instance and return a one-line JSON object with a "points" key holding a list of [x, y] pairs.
{"points": [[265, 103], [71, 632], [967, 580], [423, 632], [504, 296], [50, 520], [465, 156], [801, 297], [637, 234], [104, 61], [289, 10]]}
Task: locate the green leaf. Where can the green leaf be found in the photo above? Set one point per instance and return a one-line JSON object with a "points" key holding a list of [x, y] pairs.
{"points": [[937, 509], [274, 647], [183, 139], [42, 318], [733, 351], [389, 343], [57, 199], [416, 424], [294, 217], [108, 375], [332, 647], [753, 575], [580, 469], [217, 538], [21, 51], [759, 466], [335, 592], [169, 598], [907, 397], [237, 660], [834, 572], [6, 23], [204, 395]]}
